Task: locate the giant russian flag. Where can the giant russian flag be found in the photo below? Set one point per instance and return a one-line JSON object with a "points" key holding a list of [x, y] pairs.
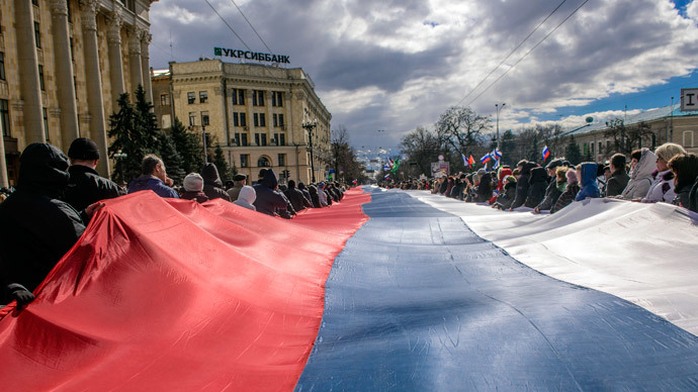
{"points": [[387, 290]]}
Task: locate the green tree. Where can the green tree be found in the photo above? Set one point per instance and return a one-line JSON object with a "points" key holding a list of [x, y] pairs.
{"points": [[171, 158], [572, 152], [126, 148], [146, 122], [224, 170], [189, 147]]}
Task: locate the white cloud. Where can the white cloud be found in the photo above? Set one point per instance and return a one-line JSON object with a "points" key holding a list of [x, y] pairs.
{"points": [[398, 64]]}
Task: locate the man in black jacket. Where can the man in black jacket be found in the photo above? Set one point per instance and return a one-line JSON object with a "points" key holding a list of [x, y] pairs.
{"points": [[36, 227], [269, 201], [85, 185], [298, 200]]}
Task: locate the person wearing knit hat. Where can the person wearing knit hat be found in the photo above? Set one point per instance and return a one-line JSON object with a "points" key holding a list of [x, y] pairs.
{"points": [[239, 180], [194, 188], [571, 190], [662, 187], [85, 185]]}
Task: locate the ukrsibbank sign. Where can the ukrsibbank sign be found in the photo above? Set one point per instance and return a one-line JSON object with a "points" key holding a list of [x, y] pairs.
{"points": [[249, 55]]}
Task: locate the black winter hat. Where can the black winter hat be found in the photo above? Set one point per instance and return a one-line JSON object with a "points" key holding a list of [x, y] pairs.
{"points": [[83, 149], [555, 163], [239, 177]]}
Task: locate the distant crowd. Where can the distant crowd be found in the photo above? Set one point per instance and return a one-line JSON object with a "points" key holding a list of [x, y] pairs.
{"points": [[669, 175], [55, 197]]}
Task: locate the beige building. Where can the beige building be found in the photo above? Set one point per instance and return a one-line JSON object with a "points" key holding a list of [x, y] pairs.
{"points": [[666, 124], [63, 64], [262, 116]]}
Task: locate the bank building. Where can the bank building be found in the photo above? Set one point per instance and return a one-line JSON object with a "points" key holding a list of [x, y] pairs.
{"points": [[262, 116], [63, 65]]}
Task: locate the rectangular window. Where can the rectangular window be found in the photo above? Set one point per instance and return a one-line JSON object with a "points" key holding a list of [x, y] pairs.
{"points": [[37, 34], [45, 114], [244, 160], [591, 145], [204, 119], [238, 96], [282, 159], [277, 99], [280, 139], [164, 100], [2, 66], [72, 51], [42, 85], [259, 119], [260, 139], [191, 97], [192, 118], [203, 96], [35, 2], [239, 119], [240, 139], [5, 117], [688, 139], [278, 119], [257, 98]]}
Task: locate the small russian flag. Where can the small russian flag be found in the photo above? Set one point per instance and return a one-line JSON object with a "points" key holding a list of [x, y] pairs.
{"points": [[545, 154], [485, 158]]}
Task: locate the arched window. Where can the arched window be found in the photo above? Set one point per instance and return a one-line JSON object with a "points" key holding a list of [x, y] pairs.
{"points": [[263, 162]]}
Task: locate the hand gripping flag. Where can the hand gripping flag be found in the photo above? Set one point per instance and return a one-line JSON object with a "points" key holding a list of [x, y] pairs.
{"points": [[545, 154]]}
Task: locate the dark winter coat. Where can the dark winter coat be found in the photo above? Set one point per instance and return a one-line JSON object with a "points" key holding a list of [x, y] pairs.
{"points": [[298, 200], [268, 201], [589, 186], [617, 182], [86, 186], [484, 189], [213, 186], [36, 227], [566, 198], [200, 197], [505, 198], [522, 185], [693, 198], [551, 195], [537, 186]]}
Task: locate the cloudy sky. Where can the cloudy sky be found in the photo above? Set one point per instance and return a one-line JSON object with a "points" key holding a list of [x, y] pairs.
{"points": [[394, 65]]}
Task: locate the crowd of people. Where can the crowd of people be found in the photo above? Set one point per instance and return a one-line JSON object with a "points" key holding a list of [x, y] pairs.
{"points": [[55, 197], [668, 174]]}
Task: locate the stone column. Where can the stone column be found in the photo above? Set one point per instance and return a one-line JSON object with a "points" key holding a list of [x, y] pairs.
{"points": [[134, 58], [28, 65], [4, 180], [145, 65], [98, 131], [116, 71], [64, 73]]}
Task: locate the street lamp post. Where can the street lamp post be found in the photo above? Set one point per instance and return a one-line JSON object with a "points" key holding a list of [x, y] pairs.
{"points": [[498, 107], [203, 137], [309, 126]]}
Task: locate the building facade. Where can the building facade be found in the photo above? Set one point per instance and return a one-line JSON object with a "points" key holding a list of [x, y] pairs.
{"points": [[63, 65], [261, 116], [649, 129]]}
